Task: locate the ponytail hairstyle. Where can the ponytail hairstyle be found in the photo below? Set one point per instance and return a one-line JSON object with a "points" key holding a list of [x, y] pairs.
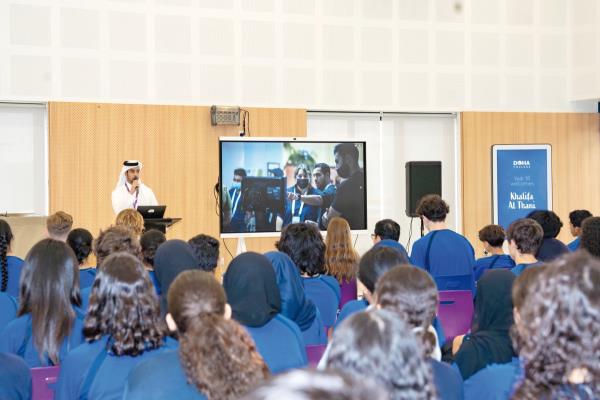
{"points": [[5, 239], [49, 289], [80, 240], [218, 356], [410, 293]]}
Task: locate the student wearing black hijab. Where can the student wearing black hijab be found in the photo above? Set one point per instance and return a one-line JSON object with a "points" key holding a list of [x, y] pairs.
{"points": [[489, 341], [252, 292], [172, 258]]}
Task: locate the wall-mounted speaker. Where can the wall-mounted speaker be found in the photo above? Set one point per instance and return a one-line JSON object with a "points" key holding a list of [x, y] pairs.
{"points": [[422, 178]]}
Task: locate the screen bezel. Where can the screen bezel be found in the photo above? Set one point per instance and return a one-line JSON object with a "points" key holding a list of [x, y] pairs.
{"points": [[288, 140]]}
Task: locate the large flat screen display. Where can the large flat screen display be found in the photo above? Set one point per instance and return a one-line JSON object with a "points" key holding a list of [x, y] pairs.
{"points": [[267, 184]]}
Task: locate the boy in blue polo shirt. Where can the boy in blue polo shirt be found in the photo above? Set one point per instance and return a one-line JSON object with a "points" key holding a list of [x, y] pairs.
{"points": [[576, 218], [492, 237], [524, 237]]}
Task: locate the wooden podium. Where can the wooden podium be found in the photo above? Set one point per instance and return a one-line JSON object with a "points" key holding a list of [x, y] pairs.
{"points": [[160, 224]]}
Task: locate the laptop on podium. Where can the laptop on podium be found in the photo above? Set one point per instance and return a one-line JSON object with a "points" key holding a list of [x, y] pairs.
{"points": [[152, 212]]}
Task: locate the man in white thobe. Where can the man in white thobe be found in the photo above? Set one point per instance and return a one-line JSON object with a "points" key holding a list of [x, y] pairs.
{"points": [[130, 192]]}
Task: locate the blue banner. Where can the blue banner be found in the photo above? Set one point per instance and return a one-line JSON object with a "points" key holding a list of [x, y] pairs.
{"points": [[522, 181]]}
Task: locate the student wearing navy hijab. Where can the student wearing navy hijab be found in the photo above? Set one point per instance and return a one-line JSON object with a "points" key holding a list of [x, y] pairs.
{"points": [[48, 324], [80, 240], [446, 255], [216, 359], [15, 378], [172, 258], [10, 266], [122, 328], [489, 341], [150, 241], [576, 218], [252, 292], [305, 246], [524, 237], [492, 237], [294, 303], [551, 224]]}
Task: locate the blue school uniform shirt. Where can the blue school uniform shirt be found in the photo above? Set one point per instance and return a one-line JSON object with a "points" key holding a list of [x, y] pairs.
{"points": [[551, 249], [86, 277], [449, 255], [492, 262], [15, 378], [17, 338], [160, 377], [316, 333], [325, 292], [155, 282], [91, 372], [297, 208], [350, 308], [14, 266], [574, 245], [518, 269], [448, 381], [494, 382], [85, 297], [280, 344], [394, 245], [8, 309]]}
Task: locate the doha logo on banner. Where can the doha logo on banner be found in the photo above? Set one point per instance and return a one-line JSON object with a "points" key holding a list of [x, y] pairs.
{"points": [[522, 181]]}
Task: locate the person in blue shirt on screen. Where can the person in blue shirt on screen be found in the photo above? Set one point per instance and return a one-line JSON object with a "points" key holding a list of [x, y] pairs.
{"points": [[122, 328], [297, 210], [576, 218], [324, 191], [216, 359], [10, 266], [237, 223], [387, 233], [252, 292], [551, 224], [80, 240], [524, 237], [446, 255], [492, 237]]}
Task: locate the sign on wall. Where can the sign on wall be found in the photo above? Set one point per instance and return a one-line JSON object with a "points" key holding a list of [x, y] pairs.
{"points": [[522, 181]]}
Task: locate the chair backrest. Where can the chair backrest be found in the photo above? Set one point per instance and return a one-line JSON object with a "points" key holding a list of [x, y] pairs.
{"points": [[43, 382], [455, 312], [314, 354], [348, 292]]}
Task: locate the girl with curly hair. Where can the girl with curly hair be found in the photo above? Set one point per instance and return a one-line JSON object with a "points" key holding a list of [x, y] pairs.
{"points": [[80, 240], [48, 324], [558, 332], [122, 328], [380, 346], [341, 260], [411, 294], [216, 357]]}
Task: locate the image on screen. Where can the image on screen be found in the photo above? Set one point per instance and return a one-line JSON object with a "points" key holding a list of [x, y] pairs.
{"points": [[267, 185]]}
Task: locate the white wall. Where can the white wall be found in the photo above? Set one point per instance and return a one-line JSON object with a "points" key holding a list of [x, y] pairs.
{"points": [[584, 44], [319, 54]]}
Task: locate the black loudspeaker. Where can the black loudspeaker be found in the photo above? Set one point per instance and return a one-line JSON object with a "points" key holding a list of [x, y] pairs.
{"points": [[422, 178]]}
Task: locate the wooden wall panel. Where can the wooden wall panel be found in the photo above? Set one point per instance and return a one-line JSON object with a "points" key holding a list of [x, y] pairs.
{"points": [[177, 145], [575, 140]]}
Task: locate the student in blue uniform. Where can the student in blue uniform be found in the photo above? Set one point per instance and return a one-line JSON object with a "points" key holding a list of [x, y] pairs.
{"points": [[150, 241], [237, 223], [217, 358], [576, 218], [590, 236], [15, 378], [255, 301], [172, 258], [294, 303], [305, 246], [489, 341], [122, 328], [80, 240], [492, 237], [48, 324], [380, 346], [551, 224], [295, 209], [387, 233], [446, 255], [8, 309], [372, 265], [109, 241], [10, 266], [411, 294], [206, 249], [524, 237], [558, 331]]}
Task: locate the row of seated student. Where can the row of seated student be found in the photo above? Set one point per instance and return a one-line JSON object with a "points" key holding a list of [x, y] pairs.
{"points": [[265, 319]]}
